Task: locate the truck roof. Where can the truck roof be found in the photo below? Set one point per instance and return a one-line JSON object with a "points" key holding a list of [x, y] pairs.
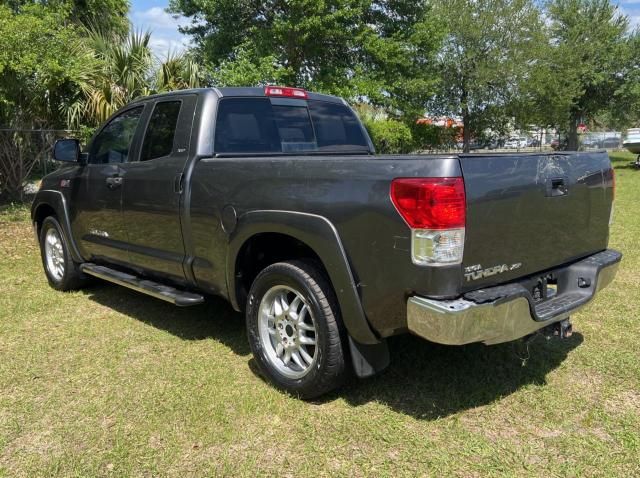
{"points": [[237, 91]]}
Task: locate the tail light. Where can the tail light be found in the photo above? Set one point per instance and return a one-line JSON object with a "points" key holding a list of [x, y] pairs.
{"points": [[286, 92], [435, 210]]}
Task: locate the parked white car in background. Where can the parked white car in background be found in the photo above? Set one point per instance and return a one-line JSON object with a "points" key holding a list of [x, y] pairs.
{"points": [[516, 143]]}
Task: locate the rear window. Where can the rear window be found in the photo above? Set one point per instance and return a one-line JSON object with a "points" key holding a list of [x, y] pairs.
{"points": [[255, 125]]}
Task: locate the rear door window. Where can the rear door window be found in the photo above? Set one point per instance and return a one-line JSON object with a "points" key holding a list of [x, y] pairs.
{"points": [[161, 130], [255, 125]]}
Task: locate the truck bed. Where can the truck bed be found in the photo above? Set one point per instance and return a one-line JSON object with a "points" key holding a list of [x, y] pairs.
{"points": [[515, 216]]}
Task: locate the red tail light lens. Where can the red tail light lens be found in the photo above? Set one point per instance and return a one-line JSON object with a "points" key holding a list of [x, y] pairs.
{"points": [[430, 203], [286, 92]]}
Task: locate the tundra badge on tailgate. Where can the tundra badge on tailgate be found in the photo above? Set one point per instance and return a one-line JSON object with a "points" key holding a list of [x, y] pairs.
{"points": [[476, 272]]}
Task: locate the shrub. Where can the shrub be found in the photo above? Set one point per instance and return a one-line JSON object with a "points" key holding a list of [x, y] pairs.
{"points": [[390, 136], [433, 137]]}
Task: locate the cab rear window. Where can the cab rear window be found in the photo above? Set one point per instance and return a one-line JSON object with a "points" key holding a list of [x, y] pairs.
{"points": [[258, 125]]}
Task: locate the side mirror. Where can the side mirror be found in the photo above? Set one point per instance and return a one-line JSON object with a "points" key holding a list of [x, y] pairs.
{"points": [[67, 150]]}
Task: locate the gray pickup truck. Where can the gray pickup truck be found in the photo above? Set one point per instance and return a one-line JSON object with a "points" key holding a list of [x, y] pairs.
{"points": [[274, 199]]}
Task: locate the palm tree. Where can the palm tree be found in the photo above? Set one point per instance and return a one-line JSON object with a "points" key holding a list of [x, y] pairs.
{"points": [[178, 71], [126, 69], [118, 76]]}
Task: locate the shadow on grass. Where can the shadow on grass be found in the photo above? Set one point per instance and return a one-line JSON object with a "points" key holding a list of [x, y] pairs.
{"points": [[430, 381], [626, 166], [214, 319], [624, 162], [424, 380]]}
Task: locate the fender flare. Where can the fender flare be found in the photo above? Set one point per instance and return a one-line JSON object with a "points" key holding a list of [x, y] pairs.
{"points": [[321, 236], [56, 201]]}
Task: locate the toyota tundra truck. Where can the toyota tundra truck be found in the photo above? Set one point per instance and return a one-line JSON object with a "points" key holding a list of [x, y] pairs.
{"points": [[274, 199]]}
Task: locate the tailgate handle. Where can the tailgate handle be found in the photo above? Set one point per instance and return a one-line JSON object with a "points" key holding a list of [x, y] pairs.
{"points": [[557, 187]]}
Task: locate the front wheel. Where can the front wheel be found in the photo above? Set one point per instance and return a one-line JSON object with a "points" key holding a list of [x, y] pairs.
{"points": [[61, 271], [294, 329]]}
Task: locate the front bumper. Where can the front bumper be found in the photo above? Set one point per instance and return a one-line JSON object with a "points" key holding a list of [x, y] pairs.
{"points": [[508, 312]]}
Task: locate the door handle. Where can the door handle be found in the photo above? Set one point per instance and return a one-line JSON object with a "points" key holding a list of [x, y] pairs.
{"points": [[114, 182], [557, 187], [177, 183]]}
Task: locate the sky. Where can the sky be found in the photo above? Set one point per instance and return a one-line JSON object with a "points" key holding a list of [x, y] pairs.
{"points": [[631, 8], [151, 15]]}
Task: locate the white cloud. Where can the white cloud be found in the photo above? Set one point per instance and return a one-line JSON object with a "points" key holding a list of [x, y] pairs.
{"points": [[157, 18], [165, 36], [631, 8], [161, 46]]}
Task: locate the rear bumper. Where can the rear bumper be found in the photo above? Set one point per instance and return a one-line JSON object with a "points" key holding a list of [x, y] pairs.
{"points": [[504, 313]]}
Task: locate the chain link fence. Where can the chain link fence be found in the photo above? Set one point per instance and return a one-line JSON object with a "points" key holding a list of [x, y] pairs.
{"points": [[25, 154], [544, 141]]}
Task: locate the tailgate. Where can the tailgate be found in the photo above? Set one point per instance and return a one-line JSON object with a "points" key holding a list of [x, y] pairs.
{"points": [[530, 212]]}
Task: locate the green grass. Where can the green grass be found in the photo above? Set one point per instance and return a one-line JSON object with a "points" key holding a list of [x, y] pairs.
{"points": [[106, 382]]}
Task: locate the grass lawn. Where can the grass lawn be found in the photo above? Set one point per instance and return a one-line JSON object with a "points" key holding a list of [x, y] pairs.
{"points": [[108, 382]]}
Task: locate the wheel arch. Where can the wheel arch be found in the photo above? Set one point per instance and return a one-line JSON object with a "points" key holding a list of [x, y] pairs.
{"points": [[52, 203], [313, 235]]}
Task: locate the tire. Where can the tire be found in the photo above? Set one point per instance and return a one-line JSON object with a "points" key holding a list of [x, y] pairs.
{"points": [[312, 339], [62, 272]]}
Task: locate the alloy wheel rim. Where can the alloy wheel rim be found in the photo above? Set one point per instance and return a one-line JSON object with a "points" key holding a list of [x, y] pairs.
{"points": [[288, 332], [54, 254]]}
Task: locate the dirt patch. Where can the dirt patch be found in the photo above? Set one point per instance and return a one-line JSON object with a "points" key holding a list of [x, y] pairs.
{"points": [[623, 402]]}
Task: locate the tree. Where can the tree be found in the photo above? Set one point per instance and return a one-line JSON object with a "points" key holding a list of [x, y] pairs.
{"points": [[120, 74], [378, 51], [311, 42], [246, 68], [178, 71], [397, 57], [592, 67], [42, 63], [487, 52], [545, 96], [124, 69], [108, 15]]}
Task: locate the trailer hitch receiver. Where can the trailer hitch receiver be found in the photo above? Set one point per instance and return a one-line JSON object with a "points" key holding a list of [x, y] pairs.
{"points": [[562, 329]]}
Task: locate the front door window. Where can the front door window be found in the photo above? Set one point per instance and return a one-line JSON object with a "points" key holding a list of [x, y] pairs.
{"points": [[113, 143]]}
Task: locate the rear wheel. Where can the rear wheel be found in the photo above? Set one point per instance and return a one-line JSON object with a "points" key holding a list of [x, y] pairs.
{"points": [[61, 271], [294, 329]]}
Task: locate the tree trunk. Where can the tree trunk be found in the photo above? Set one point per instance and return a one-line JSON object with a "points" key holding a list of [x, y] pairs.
{"points": [[466, 131], [572, 138], [540, 140]]}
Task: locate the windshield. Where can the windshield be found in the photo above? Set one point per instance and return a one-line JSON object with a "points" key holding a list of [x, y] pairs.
{"points": [[264, 125]]}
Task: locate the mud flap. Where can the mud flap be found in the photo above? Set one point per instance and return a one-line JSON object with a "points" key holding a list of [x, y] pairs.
{"points": [[368, 359]]}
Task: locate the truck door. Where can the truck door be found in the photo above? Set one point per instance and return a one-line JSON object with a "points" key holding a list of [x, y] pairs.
{"points": [[152, 189], [97, 215]]}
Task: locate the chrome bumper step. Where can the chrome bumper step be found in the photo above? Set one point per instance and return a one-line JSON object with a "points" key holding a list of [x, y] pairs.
{"points": [[503, 313]]}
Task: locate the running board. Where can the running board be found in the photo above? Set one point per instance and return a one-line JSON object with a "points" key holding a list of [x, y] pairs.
{"points": [[155, 289]]}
